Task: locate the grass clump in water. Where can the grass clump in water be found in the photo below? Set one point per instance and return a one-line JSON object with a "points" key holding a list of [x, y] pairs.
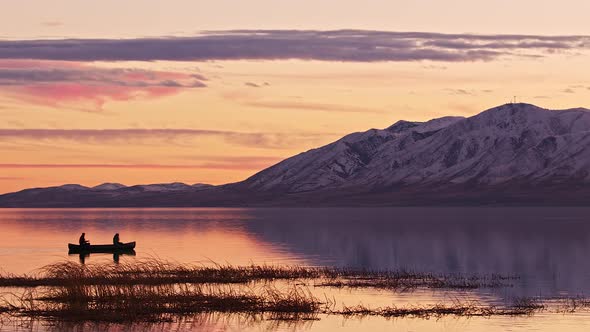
{"points": [[464, 309], [158, 272], [159, 291], [409, 281], [125, 303]]}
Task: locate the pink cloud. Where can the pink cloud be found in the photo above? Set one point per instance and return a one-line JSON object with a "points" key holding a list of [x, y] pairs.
{"points": [[56, 95], [81, 86]]}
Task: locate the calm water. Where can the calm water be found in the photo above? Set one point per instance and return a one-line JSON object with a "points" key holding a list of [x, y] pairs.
{"points": [[547, 247]]}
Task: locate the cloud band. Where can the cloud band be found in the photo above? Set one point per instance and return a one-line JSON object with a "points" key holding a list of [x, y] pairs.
{"points": [[338, 45]]}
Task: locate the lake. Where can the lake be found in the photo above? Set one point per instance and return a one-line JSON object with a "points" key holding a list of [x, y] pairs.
{"points": [[547, 248]]}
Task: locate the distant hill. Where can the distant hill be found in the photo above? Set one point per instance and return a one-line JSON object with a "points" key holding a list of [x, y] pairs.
{"points": [[513, 154], [109, 186]]}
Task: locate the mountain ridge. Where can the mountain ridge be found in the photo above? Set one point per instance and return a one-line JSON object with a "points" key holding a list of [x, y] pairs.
{"points": [[504, 155], [455, 150]]}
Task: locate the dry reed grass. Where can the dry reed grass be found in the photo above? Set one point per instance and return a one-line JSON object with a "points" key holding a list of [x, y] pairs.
{"points": [[522, 307], [124, 303], [159, 272], [159, 291]]}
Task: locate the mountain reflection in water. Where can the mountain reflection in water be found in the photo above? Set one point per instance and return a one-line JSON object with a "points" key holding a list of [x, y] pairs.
{"points": [[546, 247]]}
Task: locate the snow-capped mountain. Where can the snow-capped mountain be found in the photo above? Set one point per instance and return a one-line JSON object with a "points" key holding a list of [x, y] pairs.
{"points": [[511, 154], [513, 142], [339, 163]]}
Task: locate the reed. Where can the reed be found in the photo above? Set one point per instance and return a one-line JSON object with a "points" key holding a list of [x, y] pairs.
{"points": [[463, 309], [160, 291], [159, 272], [147, 303], [125, 303], [405, 283], [168, 303], [571, 304], [156, 272]]}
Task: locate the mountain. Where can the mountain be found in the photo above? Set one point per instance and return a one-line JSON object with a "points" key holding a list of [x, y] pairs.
{"points": [[510, 143], [513, 154], [202, 185], [108, 186], [346, 161], [72, 187], [106, 194], [161, 187]]}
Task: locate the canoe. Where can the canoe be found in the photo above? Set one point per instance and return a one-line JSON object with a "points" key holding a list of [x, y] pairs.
{"points": [[101, 247]]}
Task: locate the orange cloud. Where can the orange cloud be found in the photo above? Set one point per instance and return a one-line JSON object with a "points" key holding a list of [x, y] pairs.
{"points": [[268, 140]]}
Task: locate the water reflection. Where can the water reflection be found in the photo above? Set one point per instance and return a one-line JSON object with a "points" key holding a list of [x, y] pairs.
{"points": [[546, 246], [37, 237], [82, 256], [233, 322]]}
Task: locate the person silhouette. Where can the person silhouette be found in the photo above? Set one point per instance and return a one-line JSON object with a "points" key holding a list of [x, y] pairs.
{"points": [[116, 239], [83, 241]]}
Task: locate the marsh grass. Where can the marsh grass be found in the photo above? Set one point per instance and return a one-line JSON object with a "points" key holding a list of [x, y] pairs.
{"points": [[570, 304], [401, 282], [196, 322], [156, 272], [158, 291], [463, 309], [149, 303], [159, 272], [124, 303]]}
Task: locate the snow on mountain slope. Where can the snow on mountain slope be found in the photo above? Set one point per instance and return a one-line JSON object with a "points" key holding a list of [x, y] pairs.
{"points": [[334, 164], [511, 154], [512, 142], [508, 143]]}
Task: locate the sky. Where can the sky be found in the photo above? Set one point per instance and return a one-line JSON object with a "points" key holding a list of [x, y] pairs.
{"points": [[145, 91]]}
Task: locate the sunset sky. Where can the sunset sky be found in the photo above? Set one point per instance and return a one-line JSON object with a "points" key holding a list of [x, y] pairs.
{"points": [[213, 91]]}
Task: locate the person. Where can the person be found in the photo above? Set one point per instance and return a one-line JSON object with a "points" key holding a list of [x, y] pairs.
{"points": [[83, 241], [116, 239]]}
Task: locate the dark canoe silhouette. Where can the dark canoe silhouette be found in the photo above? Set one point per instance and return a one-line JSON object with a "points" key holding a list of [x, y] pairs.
{"points": [[101, 248]]}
